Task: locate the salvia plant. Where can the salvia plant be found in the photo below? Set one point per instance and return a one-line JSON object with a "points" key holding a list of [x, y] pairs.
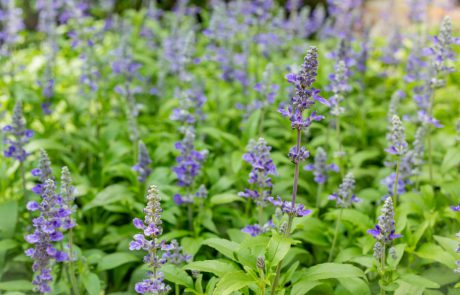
{"points": [[258, 156], [126, 95]]}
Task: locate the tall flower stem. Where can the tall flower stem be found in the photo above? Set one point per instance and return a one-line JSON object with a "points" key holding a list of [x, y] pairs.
{"points": [[337, 130], [73, 278], [261, 215], [334, 241], [291, 216], [430, 149], [318, 195], [177, 290], [382, 270], [190, 217], [395, 185], [23, 179]]}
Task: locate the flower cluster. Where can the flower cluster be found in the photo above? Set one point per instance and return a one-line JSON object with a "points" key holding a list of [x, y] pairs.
{"points": [[394, 45], [11, 24], [320, 168], [158, 252], [266, 91], [48, 17], [190, 110], [188, 163], [345, 196], [143, 163], [48, 230], [43, 171], [256, 229], [339, 87], [17, 136], [442, 53], [258, 156], [296, 210], [384, 231], [397, 137]]}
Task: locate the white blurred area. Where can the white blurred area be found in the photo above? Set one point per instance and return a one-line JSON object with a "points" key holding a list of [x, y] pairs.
{"points": [[380, 12]]}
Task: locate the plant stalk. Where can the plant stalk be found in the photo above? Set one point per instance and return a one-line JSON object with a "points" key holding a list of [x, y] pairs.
{"points": [[334, 241], [291, 216], [395, 185]]}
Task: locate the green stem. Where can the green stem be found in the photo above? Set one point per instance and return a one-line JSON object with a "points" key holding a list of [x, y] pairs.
{"points": [[291, 216], [382, 270], [23, 179], [318, 195], [334, 241], [190, 217], [177, 289], [339, 158], [261, 215], [73, 278], [395, 185]]}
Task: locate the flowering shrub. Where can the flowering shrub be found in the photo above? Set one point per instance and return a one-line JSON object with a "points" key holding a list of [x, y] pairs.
{"points": [[237, 148]]}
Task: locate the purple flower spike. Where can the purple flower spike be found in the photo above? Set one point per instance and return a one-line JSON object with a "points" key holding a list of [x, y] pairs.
{"points": [[455, 208], [17, 136], [159, 252], [48, 229], [320, 168]]}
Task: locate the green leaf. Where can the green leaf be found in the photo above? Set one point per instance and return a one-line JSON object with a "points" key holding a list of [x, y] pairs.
{"points": [[232, 282], [304, 286], [436, 253], [225, 247], [399, 254], [217, 267], [92, 283], [451, 159], [177, 275], [406, 288], [19, 285], [355, 286], [116, 259], [225, 198], [191, 245], [419, 281], [111, 194], [331, 271], [9, 218], [7, 244], [278, 247]]}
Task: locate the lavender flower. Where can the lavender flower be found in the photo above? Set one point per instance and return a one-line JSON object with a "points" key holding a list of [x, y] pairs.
{"points": [[44, 172], [256, 229], [48, 229], [304, 98], [442, 53], [266, 91], [398, 144], [188, 163], [48, 15], [16, 135], [384, 231], [391, 50], [11, 24], [190, 110], [339, 87], [149, 241], [345, 196], [417, 10], [416, 64], [174, 254], [320, 168], [143, 162], [68, 197], [295, 210]]}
